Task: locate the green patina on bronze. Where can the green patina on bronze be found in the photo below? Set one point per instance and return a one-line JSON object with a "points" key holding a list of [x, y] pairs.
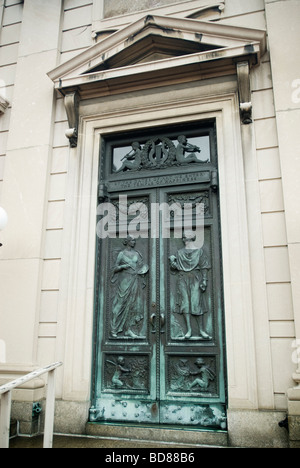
{"points": [[159, 320]]}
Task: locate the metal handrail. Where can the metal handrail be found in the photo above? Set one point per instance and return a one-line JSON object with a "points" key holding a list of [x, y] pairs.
{"points": [[5, 408]]}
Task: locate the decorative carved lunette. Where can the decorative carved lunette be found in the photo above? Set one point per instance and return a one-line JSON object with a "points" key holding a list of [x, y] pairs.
{"points": [[72, 109], [160, 153], [243, 75]]}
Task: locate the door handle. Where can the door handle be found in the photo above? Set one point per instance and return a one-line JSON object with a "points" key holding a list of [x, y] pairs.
{"points": [[152, 321], [162, 323]]}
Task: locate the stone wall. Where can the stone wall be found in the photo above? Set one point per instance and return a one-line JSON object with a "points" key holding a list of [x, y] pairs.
{"points": [[35, 180]]}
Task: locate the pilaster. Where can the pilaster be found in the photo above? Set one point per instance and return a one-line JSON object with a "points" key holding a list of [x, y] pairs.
{"points": [[281, 19], [25, 182]]}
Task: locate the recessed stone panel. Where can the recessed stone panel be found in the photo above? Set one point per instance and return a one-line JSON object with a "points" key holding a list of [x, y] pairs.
{"points": [[116, 8]]}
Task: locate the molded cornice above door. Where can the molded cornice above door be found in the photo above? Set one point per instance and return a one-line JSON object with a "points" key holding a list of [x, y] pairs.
{"points": [[156, 51]]}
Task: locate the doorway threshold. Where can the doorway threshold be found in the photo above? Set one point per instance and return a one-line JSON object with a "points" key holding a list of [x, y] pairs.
{"points": [[153, 433]]}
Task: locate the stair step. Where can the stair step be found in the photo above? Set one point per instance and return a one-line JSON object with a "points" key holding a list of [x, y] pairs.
{"points": [[158, 435], [115, 444]]}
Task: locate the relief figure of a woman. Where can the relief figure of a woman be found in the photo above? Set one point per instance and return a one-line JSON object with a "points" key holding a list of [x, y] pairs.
{"points": [[128, 307]]}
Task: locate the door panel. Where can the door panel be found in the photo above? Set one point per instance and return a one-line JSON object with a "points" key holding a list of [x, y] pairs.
{"points": [[126, 361], [192, 385], [159, 345]]}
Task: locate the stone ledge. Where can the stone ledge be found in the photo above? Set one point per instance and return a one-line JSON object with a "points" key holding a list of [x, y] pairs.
{"points": [[256, 429]]}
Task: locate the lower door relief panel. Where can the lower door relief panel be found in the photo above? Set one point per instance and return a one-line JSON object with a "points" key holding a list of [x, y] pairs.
{"points": [[190, 380], [207, 416], [115, 410], [127, 378]]}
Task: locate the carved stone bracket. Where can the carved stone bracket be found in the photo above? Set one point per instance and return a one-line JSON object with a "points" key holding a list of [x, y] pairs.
{"points": [[243, 74], [3, 105], [72, 109]]}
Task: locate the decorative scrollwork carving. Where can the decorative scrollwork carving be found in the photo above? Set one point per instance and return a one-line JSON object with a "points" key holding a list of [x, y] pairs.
{"points": [[193, 199], [72, 109], [243, 74]]}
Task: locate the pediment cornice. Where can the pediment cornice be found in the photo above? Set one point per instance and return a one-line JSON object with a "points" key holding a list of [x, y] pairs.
{"points": [[215, 42], [156, 51]]}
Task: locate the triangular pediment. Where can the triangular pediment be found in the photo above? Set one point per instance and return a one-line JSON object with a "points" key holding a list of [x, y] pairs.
{"points": [[156, 43], [150, 45]]}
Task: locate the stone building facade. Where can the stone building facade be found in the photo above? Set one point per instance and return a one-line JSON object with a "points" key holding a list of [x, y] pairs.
{"points": [[80, 79]]}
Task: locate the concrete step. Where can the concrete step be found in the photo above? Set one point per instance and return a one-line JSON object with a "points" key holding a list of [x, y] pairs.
{"points": [[69, 441], [184, 437], [114, 436]]}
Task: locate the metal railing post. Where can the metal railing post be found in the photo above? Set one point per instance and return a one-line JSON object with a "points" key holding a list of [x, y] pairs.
{"points": [[5, 404], [5, 419], [49, 412]]}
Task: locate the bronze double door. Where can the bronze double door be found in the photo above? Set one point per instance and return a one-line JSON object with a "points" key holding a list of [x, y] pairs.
{"points": [[159, 336]]}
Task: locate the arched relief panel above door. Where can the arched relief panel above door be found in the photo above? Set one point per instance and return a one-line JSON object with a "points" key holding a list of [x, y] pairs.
{"points": [[107, 16], [113, 8], [157, 51]]}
